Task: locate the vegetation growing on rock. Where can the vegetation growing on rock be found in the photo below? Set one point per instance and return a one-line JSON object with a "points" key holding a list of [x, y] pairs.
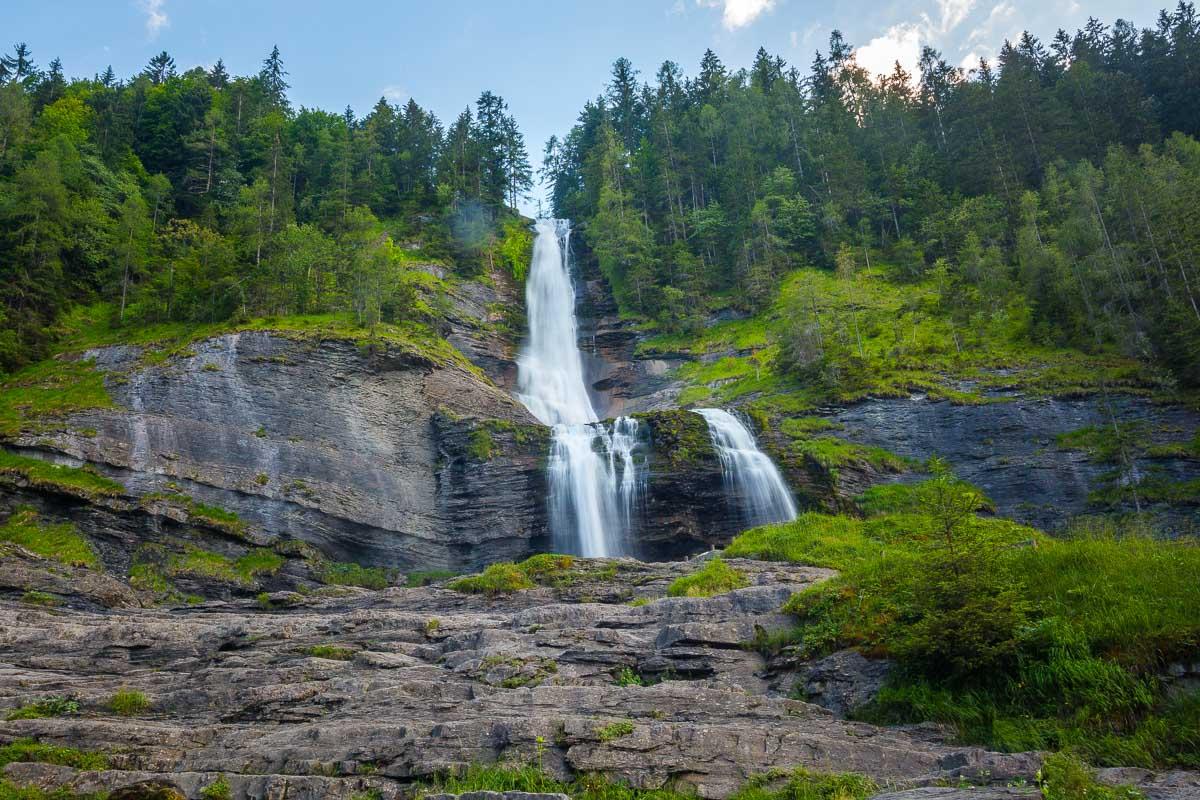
{"points": [[61, 542], [80, 481], [715, 577]]}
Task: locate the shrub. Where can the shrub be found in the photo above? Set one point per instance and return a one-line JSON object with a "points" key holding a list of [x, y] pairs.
{"points": [[217, 790], [716, 577], [547, 568], [420, 578], [497, 579], [627, 677], [128, 703]]}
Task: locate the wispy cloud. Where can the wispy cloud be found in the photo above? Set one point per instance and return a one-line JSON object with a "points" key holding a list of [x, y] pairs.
{"points": [[738, 13], [156, 16], [396, 94]]}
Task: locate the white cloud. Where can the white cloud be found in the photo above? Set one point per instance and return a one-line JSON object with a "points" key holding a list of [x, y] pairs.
{"points": [[953, 13], [738, 13], [156, 16], [901, 43], [396, 94], [795, 39]]}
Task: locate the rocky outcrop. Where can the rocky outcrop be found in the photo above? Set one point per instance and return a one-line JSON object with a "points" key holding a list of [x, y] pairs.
{"points": [[1009, 447], [322, 440], [329, 696]]}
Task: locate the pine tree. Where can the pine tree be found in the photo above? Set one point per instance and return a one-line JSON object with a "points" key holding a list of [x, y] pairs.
{"points": [[160, 69], [218, 77], [271, 77], [19, 66]]}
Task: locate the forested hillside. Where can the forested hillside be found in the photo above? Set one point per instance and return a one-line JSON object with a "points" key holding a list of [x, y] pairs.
{"points": [[1046, 200], [202, 196]]}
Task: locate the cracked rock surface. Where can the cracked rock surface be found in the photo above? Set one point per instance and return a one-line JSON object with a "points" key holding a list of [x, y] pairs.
{"points": [[328, 696]]}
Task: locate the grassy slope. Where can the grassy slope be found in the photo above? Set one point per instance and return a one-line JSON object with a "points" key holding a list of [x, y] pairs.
{"points": [[1092, 620], [908, 343]]}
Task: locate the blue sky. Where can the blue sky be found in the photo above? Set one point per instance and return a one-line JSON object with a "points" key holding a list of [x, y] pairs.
{"points": [[544, 58]]}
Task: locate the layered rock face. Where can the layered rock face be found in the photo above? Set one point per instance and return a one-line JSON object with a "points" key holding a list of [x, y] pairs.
{"points": [[329, 696], [316, 440], [1010, 448]]}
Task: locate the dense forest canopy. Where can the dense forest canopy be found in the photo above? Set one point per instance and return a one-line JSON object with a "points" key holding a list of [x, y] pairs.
{"points": [[200, 196], [1058, 187]]}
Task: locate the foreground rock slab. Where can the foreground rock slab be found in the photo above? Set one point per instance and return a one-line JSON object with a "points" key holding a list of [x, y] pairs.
{"points": [[373, 691]]}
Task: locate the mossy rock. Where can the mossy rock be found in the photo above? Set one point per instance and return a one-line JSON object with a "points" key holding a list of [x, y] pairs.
{"points": [[680, 438]]}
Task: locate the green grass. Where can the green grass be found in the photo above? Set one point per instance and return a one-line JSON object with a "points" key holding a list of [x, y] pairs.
{"points": [[61, 542], [259, 561], [614, 730], [543, 569], [44, 599], [716, 577], [12, 791], [820, 540], [803, 784], [41, 709], [129, 703], [341, 573], [1063, 777], [30, 750], [330, 651], [213, 516], [884, 337], [497, 579], [426, 577], [79, 481], [39, 397], [778, 785]]}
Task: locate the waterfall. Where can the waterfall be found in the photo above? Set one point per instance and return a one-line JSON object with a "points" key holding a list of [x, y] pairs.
{"points": [[750, 475], [595, 482]]}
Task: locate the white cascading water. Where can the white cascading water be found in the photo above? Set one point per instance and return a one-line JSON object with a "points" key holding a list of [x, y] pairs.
{"points": [[595, 483], [749, 473]]}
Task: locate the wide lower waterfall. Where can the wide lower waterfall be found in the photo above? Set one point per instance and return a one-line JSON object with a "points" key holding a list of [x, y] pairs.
{"points": [[595, 480], [750, 475]]}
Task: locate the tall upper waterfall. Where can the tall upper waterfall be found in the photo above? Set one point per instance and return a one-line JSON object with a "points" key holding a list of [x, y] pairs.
{"points": [[749, 473], [595, 483]]}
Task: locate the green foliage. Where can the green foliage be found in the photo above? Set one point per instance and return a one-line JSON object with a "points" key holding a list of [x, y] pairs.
{"points": [[61, 542], [614, 730], [329, 651], [259, 561], [30, 750], [12, 791], [217, 790], [1063, 777], [47, 707], [497, 579], [480, 446], [38, 397], [350, 574], [715, 577], [516, 248], [79, 481], [45, 599], [627, 677], [426, 577], [1018, 641], [213, 516], [802, 784], [547, 568], [129, 703]]}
